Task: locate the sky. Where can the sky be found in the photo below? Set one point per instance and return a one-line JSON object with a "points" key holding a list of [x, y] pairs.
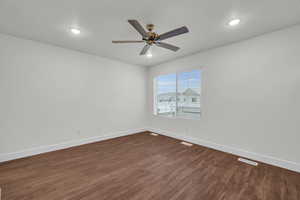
{"points": [[167, 83]]}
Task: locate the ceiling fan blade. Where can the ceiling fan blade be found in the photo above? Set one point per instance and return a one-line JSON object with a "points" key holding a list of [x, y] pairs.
{"points": [[145, 49], [173, 33], [167, 46], [128, 41], [138, 27]]}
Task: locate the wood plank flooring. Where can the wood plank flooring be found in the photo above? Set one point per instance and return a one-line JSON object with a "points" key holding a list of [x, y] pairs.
{"points": [[143, 167]]}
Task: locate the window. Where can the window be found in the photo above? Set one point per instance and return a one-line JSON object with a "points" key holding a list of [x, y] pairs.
{"points": [[178, 95], [165, 90]]}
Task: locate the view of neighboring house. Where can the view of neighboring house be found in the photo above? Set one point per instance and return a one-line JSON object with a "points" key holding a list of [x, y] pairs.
{"points": [[188, 103]]}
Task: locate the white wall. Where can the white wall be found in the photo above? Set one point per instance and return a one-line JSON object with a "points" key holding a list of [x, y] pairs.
{"points": [[50, 95], [250, 96]]}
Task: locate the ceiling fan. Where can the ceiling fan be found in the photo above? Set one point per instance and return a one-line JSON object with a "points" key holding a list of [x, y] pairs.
{"points": [[150, 37]]}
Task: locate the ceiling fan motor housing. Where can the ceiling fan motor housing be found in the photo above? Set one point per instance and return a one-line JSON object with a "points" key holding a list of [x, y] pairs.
{"points": [[151, 35]]}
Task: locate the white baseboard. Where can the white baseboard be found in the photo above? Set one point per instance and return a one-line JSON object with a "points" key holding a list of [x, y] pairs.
{"points": [[43, 149], [239, 152]]}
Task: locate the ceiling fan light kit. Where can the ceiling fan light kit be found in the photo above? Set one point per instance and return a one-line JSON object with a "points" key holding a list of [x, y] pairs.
{"points": [[151, 38]]}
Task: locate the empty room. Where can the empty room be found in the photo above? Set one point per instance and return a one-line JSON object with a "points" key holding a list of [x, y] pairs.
{"points": [[149, 100]]}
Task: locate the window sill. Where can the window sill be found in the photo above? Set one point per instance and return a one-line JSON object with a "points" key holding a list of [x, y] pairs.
{"points": [[174, 118]]}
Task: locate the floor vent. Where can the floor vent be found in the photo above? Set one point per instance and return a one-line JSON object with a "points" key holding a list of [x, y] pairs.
{"points": [[153, 134], [186, 144], [250, 162]]}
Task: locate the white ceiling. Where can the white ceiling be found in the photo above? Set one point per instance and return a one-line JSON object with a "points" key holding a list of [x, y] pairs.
{"points": [[104, 20]]}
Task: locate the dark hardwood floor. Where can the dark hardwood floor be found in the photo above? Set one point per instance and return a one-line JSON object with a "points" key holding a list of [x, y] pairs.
{"points": [[143, 167]]}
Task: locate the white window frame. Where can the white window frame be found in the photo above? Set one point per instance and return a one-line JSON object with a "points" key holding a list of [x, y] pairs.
{"points": [[176, 96]]}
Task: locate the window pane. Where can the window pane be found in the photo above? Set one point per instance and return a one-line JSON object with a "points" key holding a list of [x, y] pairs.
{"points": [[188, 96], [165, 94]]}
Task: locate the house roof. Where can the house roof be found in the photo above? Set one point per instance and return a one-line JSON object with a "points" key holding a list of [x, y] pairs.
{"points": [[187, 92], [190, 92], [167, 94]]}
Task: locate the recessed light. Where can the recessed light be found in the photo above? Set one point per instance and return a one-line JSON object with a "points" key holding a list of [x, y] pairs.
{"points": [[75, 31], [149, 55], [234, 22]]}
